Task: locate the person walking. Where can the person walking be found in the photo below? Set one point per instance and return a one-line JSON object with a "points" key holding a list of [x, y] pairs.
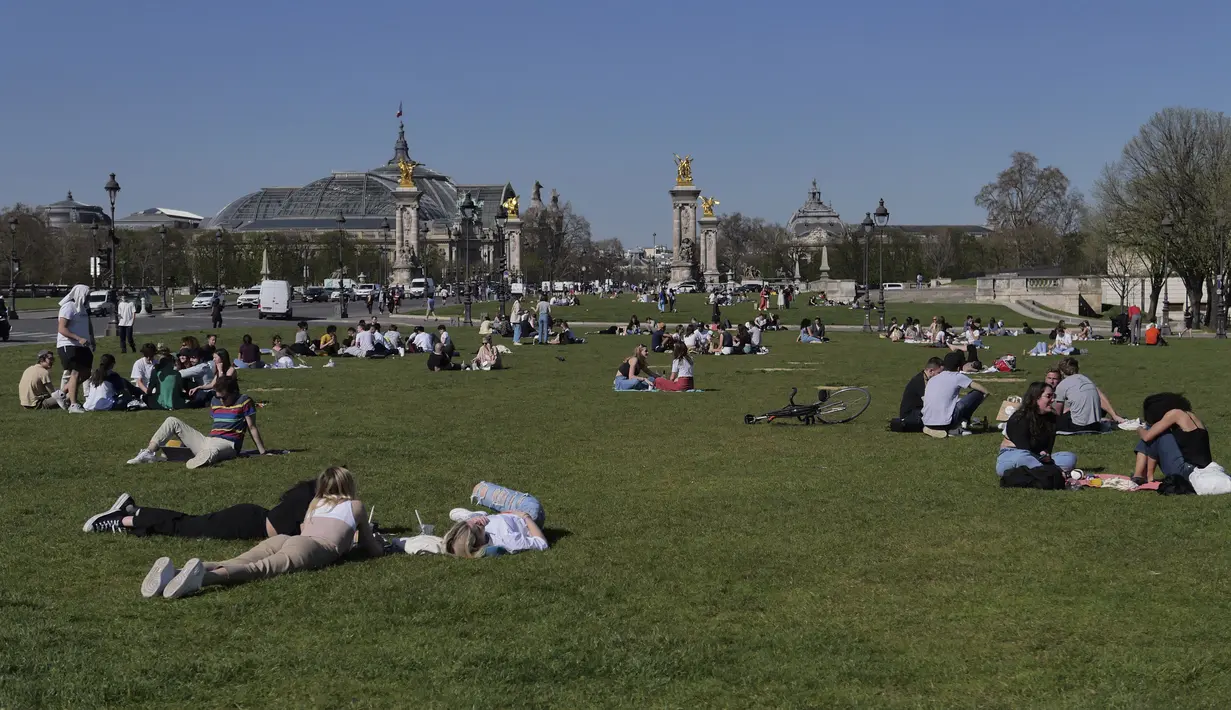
{"points": [[431, 305], [215, 312], [126, 315]]}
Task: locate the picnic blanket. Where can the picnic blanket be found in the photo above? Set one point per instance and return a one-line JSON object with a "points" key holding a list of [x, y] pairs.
{"points": [[652, 389]]}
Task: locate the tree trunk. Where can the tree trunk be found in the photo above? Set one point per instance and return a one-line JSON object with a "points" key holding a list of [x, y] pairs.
{"points": [[1154, 291], [1194, 303]]}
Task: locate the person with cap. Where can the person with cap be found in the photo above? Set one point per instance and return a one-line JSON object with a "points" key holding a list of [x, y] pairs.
{"points": [[36, 390], [945, 413], [126, 315]]}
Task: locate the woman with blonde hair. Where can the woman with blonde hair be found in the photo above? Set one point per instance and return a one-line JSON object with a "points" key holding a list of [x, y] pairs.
{"points": [[328, 532], [517, 527], [488, 357], [634, 372]]}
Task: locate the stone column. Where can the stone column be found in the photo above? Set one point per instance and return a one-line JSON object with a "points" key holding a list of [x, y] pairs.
{"points": [[683, 228], [709, 249], [512, 236], [406, 232]]}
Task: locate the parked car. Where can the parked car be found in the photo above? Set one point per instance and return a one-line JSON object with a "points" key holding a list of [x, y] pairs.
{"points": [[98, 303], [250, 298], [688, 287], [315, 294], [362, 291], [421, 287], [338, 294], [275, 300], [204, 299], [893, 286]]}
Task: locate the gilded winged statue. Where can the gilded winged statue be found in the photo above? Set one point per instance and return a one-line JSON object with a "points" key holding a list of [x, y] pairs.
{"points": [[510, 207], [407, 170], [707, 206], [683, 169]]}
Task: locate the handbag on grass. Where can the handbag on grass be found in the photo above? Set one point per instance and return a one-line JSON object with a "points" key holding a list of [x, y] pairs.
{"points": [[1007, 407]]}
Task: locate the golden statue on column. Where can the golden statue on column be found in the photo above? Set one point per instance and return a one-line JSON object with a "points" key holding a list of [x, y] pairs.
{"points": [[683, 169]]}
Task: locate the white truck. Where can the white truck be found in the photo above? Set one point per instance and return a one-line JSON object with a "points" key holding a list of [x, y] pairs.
{"points": [[275, 300]]}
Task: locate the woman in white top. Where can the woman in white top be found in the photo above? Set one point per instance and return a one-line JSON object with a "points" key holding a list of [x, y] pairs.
{"points": [[481, 535], [681, 372], [335, 518], [488, 357], [75, 341]]}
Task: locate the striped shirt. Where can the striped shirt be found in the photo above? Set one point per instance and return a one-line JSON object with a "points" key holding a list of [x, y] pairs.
{"points": [[229, 421]]}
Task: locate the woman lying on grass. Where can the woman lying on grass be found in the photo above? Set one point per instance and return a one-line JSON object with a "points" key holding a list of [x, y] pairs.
{"points": [[1176, 440], [328, 532], [243, 521], [517, 527], [1030, 434]]}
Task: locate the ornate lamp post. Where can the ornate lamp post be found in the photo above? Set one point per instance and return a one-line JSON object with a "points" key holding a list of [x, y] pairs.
{"points": [[113, 188], [13, 269], [93, 261], [1220, 325], [341, 220], [468, 210], [218, 264], [1167, 226], [867, 224], [162, 263], [502, 217], [384, 251], [881, 215]]}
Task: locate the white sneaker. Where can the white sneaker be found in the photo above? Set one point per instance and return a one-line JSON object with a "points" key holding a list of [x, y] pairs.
{"points": [[144, 456], [330, 363], [457, 515], [157, 578], [60, 399], [935, 433], [187, 581], [76, 409]]}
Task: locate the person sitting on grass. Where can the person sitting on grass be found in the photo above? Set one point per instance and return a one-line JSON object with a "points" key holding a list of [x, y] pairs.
{"points": [[681, 372], [249, 354], [329, 342], [35, 390], [233, 415], [303, 340], [1082, 406], [634, 373], [1030, 434], [244, 521], [277, 350], [488, 357], [143, 369], [439, 360], [806, 332], [1176, 440], [327, 533], [910, 411], [167, 386], [106, 390], [944, 413], [445, 340]]}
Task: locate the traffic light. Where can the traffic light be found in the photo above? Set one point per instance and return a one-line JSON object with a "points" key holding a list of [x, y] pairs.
{"points": [[16, 265], [104, 261]]}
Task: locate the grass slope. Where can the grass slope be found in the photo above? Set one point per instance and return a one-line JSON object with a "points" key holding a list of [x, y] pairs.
{"points": [[699, 562]]}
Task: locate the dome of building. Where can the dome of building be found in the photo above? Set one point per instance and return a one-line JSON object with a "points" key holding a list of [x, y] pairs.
{"points": [[364, 198], [69, 211], [815, 221]]}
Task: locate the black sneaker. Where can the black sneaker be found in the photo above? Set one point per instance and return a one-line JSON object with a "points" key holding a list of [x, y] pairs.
{"points": [[108, 522], [124, 505]]}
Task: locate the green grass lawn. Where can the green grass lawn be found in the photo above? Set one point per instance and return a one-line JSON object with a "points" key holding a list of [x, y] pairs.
{"points": [[48, 303], [700, 562], [693, 305]]}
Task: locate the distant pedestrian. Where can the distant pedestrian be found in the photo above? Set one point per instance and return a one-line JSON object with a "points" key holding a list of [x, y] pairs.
{"points": [[431, 306], [671, 300], [215, 312], [126, 315], [1134, 318]]}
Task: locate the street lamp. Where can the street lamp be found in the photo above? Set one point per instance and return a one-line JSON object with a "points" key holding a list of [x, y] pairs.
{"points": [[162, 262], [93, 260], [218, 264], [1167, 226], [12, 314], [113, 188], [384, 251], [502, 217], [468, 210], [881, 215], [867, 224], [341, 220], [1220, 327]]}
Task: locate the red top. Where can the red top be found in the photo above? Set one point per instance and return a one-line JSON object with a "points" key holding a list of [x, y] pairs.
{"points": [[1133, 311]]}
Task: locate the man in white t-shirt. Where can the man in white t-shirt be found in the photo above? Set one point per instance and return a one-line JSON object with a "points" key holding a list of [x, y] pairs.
{"points": [[446, 341], [126, 314], [363, 344], [945, 412], [75, 341], [143, 368], [422, 340]]}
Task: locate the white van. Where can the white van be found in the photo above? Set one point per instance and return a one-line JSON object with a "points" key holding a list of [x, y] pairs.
{"points": [[421, 287], [275, 300], [893, 286]]}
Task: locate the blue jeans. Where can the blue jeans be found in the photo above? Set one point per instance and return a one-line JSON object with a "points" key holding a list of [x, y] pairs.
{"points": [[517, 332], [1012, 458], [627, 383], [1167, 453], [805, 338], [499, 498], [544, 329]]}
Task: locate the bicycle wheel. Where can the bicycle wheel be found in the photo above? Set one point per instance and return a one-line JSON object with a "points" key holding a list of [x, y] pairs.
{"points": [[844, 405]]}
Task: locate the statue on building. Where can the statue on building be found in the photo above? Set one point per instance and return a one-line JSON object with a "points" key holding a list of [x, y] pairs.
{"points": [[510, 207], [686, 251], [683, 169], [707, 206], [406, 168], [750, 272], [555, 199], [538, 193]]}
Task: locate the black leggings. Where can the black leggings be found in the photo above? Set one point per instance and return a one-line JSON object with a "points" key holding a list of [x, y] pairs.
{"points": [[245, 521]]}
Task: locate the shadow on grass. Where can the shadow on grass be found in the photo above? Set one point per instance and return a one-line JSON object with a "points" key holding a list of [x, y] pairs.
{"points": [[554, 535]]}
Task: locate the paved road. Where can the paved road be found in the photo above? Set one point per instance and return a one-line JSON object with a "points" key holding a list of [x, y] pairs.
{"points": [[40, 326]]}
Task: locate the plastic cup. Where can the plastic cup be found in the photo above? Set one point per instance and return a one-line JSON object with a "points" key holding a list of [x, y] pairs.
{"points": [[427, 529]]}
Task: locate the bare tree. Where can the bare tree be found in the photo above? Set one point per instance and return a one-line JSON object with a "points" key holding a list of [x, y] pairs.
{"points": [[555, 234], [938, 251], [1031, 208]]}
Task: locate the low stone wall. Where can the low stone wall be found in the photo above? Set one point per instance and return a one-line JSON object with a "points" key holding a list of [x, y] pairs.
{"points": [[834, 289], [1061, 293]]}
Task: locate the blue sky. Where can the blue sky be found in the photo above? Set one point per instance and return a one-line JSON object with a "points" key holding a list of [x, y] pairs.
{"points": [[193, 104]]}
